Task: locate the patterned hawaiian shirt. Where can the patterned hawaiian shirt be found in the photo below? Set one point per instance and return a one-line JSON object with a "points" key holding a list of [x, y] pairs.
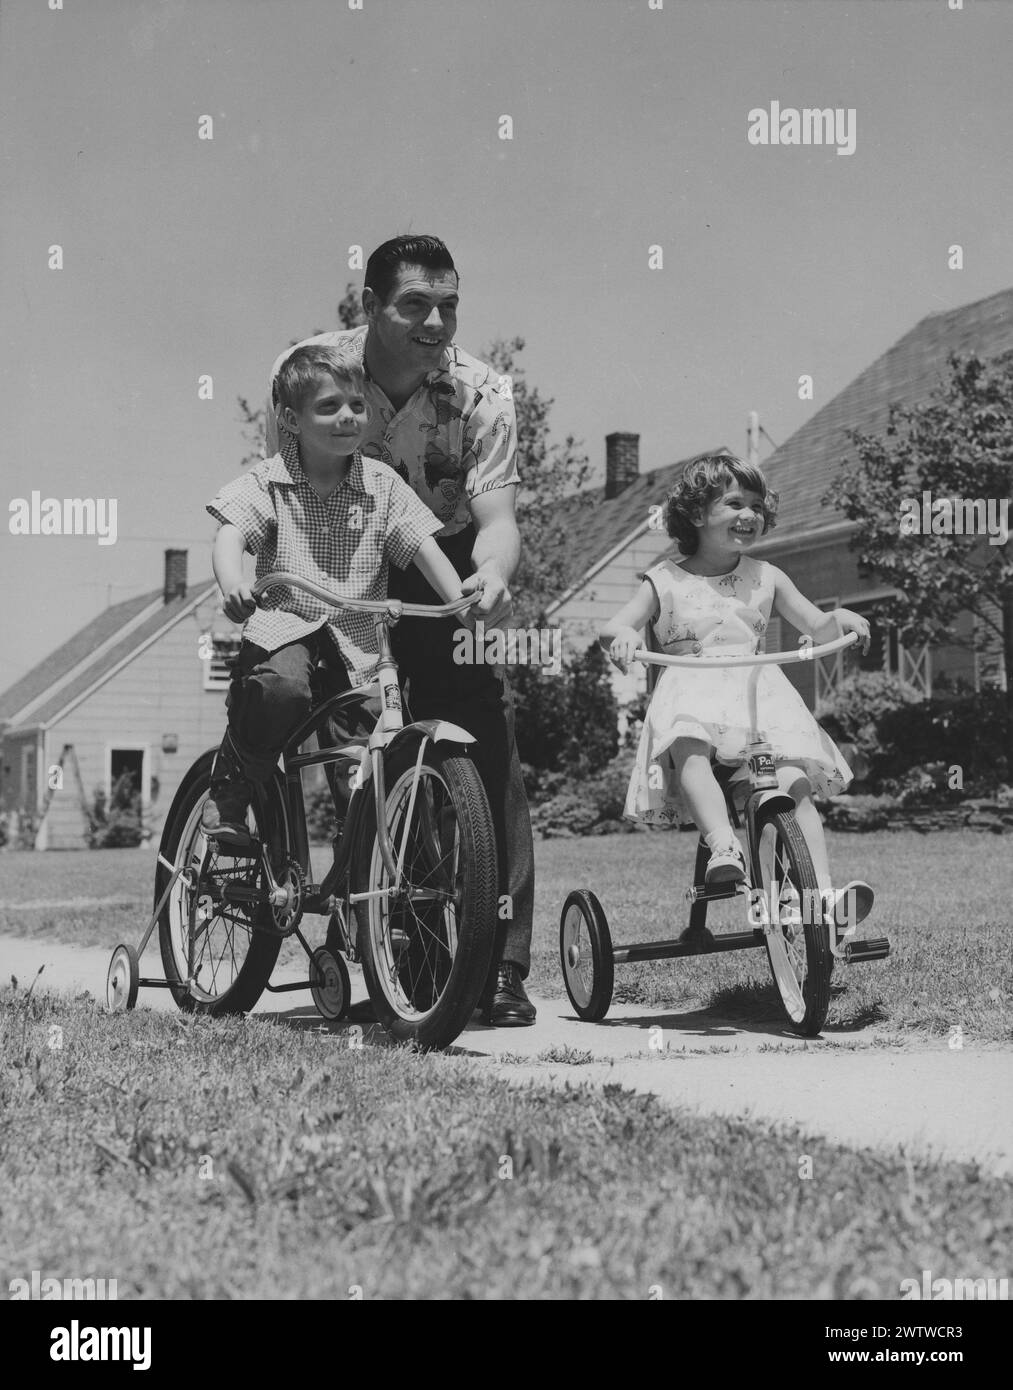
{"points": [[455, 438], [344, 543]]}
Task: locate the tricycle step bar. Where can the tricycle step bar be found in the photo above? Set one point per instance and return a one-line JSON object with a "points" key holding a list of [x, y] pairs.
{"points": [[703, 944]]}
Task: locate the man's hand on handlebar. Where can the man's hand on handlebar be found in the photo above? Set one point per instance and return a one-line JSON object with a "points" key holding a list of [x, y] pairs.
{"points": [[239, 603], [496, 604]]}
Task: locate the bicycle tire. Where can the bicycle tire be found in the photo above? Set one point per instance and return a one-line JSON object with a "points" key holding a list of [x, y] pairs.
{"points": [[423, 972], [182, 842], [799, 953]]}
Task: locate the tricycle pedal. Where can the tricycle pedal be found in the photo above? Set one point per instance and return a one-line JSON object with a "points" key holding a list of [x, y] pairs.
{"points": [[876, 948]]}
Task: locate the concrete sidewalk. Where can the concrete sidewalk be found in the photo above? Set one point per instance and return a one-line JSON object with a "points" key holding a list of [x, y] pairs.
{"points": [[859, 1090]]}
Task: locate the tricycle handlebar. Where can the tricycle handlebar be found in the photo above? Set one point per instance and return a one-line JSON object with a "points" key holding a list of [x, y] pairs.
{"points": [[803, 653]]}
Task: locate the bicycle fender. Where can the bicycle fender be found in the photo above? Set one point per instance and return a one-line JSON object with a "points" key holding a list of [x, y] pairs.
{"points": [[437, 730], [772, 800], [777, 800]]}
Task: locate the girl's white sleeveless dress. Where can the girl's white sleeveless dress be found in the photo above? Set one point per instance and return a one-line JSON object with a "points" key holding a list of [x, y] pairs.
{"points": [[726, 614]]}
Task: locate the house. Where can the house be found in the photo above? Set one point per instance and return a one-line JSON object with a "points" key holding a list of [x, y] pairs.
{"points": [[620, 537], [139, 690]]}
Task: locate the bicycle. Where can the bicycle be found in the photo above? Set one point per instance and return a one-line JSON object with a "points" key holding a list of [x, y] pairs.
{"points": [[802, 939], [411, 892]]}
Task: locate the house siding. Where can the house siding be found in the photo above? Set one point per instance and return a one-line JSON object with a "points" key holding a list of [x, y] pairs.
{"points": [[159, 691]]}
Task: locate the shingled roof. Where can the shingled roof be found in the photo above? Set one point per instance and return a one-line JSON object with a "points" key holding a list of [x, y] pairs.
{"points": [[802, 469], [94, 652]]}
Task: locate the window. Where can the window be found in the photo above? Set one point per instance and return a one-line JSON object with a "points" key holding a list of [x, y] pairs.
{"points": [[911, 664], [218, 667], [29, 780], [127, 762], [829, 669]]}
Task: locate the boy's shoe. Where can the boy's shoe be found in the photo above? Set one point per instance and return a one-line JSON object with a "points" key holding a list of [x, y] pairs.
{"points": [[849, 905], [223, 817], [725, 866]]}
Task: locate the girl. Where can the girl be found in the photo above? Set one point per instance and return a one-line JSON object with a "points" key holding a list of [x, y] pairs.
{"points": [[719, 600]]}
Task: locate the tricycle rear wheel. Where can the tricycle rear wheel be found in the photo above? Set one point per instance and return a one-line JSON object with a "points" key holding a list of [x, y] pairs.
{"points": [[585, 951]]}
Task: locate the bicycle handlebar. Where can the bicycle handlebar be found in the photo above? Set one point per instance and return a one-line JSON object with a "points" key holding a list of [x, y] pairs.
{"points": [[758, 659], [392, 606]]}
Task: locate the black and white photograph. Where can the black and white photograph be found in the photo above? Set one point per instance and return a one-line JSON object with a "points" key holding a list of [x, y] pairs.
{"points": [[506, 699]]}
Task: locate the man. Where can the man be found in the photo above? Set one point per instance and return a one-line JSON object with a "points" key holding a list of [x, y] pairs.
{"points": [[445, 422]]}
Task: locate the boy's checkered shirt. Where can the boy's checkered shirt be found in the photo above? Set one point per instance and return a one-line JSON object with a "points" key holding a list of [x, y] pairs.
{"points": [[345, 543]]}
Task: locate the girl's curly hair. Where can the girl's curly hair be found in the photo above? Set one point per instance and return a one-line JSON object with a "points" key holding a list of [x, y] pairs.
{"points": [[703, 479]]}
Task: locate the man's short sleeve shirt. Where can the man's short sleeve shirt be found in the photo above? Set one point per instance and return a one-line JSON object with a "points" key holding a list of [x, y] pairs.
{"points": [[455, 438], [344, 542]]}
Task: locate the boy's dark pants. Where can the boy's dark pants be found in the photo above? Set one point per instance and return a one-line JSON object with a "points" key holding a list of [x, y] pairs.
{"points": [[478, 699], [272, 692]]}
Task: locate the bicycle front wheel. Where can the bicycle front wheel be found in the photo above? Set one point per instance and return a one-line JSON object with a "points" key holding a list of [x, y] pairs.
{"points": [[427, 942], [797, 939]]}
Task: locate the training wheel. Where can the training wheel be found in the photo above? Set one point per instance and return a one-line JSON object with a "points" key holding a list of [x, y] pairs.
{"points": [[585, 950], [329, 984], [122, 979]]}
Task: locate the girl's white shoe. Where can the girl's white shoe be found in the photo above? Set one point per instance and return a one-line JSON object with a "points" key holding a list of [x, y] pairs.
{"points": [[725, 865]]}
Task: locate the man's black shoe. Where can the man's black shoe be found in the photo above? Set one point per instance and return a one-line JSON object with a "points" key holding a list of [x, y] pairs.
{"points": [[509, 1007]]}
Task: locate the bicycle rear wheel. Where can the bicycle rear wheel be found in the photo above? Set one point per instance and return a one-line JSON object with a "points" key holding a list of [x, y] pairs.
{"points": [[215, 960], [426, 949], [798, 942]]}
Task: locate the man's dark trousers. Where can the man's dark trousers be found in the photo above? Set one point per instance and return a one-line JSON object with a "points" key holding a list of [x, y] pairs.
{"points": [[478, 699]]}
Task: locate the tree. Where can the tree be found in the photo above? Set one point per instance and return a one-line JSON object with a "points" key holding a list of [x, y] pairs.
{"points": [[958, 445], [551, 501]]}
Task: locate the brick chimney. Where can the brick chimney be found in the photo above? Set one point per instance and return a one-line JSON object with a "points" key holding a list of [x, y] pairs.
{"points": [[175, 575], [622, 462]]}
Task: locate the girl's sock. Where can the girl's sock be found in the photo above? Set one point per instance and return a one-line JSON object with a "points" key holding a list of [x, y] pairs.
{"points": [[723, 840]]}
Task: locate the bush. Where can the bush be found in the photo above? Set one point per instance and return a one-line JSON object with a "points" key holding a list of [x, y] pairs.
{"points": [[119, 824], [855, 710], [321, 817], [587, 806], [567, 723], [969, 731]]}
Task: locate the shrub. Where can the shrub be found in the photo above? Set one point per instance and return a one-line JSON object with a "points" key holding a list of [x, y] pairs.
{"points": [[566, 723], [118, 824], [969, 731], [854, 712], [321, 817]]}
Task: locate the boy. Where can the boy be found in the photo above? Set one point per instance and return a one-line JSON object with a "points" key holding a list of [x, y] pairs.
{"points": [[334, 517]]}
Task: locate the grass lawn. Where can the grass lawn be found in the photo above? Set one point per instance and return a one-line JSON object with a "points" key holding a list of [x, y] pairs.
{"points": [[187, 1158], [944, 900]]}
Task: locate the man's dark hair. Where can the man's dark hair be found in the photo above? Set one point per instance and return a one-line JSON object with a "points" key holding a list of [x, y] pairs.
{"points": [[385, 262]]}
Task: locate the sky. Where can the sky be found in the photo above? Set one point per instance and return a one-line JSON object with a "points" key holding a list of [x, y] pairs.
{"points": [[335, 127]]}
